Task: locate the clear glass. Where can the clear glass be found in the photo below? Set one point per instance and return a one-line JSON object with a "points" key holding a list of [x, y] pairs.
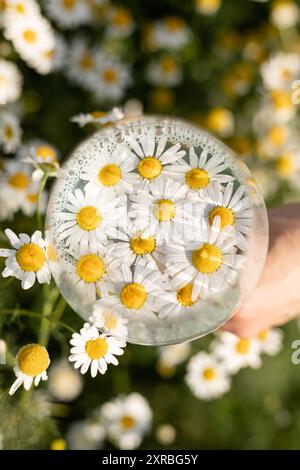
{"points": [[210, 311]]}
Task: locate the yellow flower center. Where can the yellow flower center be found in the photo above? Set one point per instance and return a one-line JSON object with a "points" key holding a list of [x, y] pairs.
{"points": [[46, 152], [33, 359], [110, 75], [242, 346], [281, 99], [226, 216], [174, 23], [208, 6], [168, 64], [20, 8], [219, 119], [30, 36], [69, 4], [164, 210], [58, 444], [209, 374], [121, 18], [262, 336], [110, 321], [184, 295], [127, 422], [8, 132], [142, 246], [149, 168], [133, 295], [285, 165], [96, 348], [197, 178], [98, 114], [19, 180], [286, 74], [277, 136], [86, 62], [207, 259], [88, 218], [109, 175], [52, 253], [32, 197], [90, 268], [30, 257]]}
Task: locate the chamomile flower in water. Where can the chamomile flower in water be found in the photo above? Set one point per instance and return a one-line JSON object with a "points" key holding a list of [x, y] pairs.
{"points": [[94, 351], [163, 209], [10, 82], [201, 170], [109, 321], [137, 294], [88, 273], [236, 353], [165, 71], [98, 117], [133, 244], [206, 377], [181, 303], [120, 23], [89, 217], [32, 363], [154, 156], [27, 259], [170, 33], [270, 341], [126, 420], [211, 264], [233, 209], [10, 131], [112, 172], [68, 13]]}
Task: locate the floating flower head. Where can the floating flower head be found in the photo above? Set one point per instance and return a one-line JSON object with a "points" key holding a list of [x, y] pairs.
{"points": [[98, 117], [32, 362], [109, 321]]}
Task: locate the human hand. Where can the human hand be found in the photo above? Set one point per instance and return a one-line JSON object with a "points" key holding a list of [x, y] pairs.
{"points": [[276, 299]]}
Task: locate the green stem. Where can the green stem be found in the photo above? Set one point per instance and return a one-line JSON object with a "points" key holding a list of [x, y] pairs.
{"points": [[50, 297], [38, 210], [27, 313], [59, 310]]}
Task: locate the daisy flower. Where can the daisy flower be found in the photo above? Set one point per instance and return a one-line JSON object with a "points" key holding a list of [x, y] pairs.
{"points": [[31, 36], [270, 341], [120, 23], [90, 273], [109, 321], [68, 13], [87, 434], [27, 261], [163, 209], [10, 82], [199, 172], [233, 209], [42, 156], [170, 33], [32, 362], [94, 351], [65, 384], [165, 71], [236, 353], [154, 156], [54, 58], [206, 377], [10, 132], [280, 71], [15, 181], [132, 244], [284, 14], [136, 293], [98, 117], [181, 302], [208, 7], [126, 420], [220, 121], [172, 356], [81, 64], [113, 78], [211, 264], [89, 218], [113, 172]]}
